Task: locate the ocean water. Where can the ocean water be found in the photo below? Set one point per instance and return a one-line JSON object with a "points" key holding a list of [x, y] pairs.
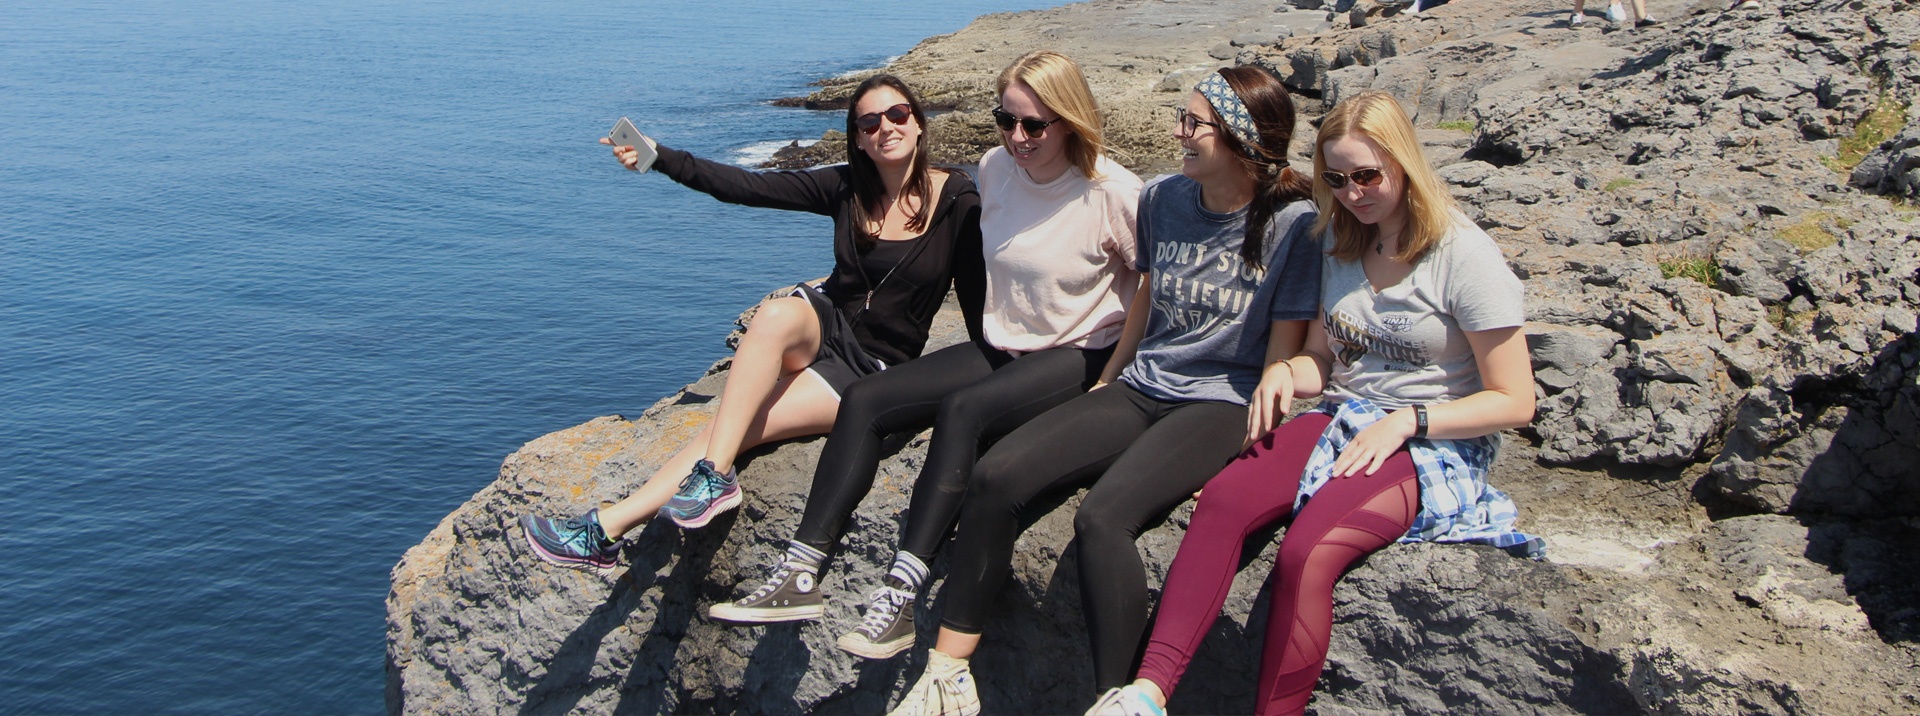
{"points": [[282, 282]]}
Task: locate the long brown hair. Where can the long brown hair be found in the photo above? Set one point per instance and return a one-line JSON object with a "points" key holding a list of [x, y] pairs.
{"points": [[1274, 183], [1430, 209], [869, 191], [1060, 84]]}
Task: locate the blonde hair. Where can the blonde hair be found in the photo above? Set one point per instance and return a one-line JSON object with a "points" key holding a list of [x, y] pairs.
{"points": [[1429, 208], [1062, 87]]}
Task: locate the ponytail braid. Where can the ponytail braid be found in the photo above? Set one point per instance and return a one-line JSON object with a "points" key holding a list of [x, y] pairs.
{"points": [[1266, 103]]}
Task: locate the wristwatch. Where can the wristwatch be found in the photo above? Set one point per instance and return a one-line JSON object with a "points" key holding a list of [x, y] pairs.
{"points": [[1420, 420]]}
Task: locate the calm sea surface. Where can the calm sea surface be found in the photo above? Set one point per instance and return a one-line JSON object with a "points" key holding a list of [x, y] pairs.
{"points": [[282, 282]]}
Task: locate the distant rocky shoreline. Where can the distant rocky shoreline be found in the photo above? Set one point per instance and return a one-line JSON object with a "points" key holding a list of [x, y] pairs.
{"points": [[1723, 285]]}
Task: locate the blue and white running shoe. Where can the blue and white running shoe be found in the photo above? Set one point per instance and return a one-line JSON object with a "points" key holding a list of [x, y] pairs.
{"points": [[704, 494], [579, 542]]}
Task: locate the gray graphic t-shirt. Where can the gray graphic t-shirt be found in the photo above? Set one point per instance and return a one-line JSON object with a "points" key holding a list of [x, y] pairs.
{"points": [[1408, 343], [1207, 336]]}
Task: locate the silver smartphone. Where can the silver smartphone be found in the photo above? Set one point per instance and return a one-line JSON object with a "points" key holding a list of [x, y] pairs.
{"points": [[624, 134]]}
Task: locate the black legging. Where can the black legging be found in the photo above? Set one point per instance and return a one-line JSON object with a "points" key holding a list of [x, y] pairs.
{"points": [[969, 392], [1143, 458]]}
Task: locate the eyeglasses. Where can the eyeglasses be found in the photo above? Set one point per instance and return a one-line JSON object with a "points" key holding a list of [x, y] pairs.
{"points": [[1189, 122], [1034, 127], [870, 122], [1363, 178]]}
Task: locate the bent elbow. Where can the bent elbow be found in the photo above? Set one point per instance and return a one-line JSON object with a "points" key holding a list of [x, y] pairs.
{"points": [[1524, 410]]}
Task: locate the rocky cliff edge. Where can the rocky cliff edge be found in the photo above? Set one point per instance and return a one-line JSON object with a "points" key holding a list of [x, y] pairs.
{"points": [[1723, 279]]}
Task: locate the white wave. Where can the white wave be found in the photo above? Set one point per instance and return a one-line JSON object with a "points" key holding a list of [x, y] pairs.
{"points": [[753, 154], [884, 64]]}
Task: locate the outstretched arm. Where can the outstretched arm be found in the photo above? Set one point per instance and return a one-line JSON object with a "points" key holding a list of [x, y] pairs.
{"points": [[813, 190]]}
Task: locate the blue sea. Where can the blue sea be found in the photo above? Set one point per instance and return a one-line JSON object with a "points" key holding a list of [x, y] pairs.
{"points": [[282, 282]]}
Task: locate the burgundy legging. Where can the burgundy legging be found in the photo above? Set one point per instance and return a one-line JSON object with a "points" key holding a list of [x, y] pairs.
{"points": [[1347, 519]]}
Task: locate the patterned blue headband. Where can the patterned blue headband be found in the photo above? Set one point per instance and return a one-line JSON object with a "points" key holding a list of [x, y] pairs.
{"points": [[1232, 112]]}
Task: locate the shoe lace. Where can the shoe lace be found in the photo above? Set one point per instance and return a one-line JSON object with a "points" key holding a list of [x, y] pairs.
{"points": [[585, 534], [773, 582], [701, 483], [883, 604], [931, 695]]}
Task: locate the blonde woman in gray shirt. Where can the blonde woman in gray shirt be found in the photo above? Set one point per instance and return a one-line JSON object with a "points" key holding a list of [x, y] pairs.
{"points": [[1420, 360]]}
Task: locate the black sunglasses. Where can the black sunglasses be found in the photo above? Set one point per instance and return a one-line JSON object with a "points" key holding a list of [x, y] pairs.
{"points": [[870, 122], [1190, 122], [1363, 178], [1035, 127]]}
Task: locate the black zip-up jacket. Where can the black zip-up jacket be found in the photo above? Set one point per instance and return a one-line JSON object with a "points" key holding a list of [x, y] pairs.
{"points": [[893, 328]]}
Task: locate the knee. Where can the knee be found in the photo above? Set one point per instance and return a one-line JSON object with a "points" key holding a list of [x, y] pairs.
{"points": [[1097, 521], [963, 411], [995, 477], [862, 402], [1294, 555], [780, 317]]}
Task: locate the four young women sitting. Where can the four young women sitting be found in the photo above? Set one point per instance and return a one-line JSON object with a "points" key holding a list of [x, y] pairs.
{"points": [[1237, 286]]}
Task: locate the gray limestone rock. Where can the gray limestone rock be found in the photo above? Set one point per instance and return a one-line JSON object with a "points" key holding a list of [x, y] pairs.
{"points": [[1256, 38], [1893, 168]]}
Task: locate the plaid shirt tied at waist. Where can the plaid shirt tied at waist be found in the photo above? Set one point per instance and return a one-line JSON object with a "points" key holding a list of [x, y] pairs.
{"points": [[1456, 503]]}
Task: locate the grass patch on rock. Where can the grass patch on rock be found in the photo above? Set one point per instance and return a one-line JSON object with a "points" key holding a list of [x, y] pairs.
{"points": [[1886, 119], [1619, 183], [1812, 233], [1693, 266], [1458, 125], [1789, 321]]}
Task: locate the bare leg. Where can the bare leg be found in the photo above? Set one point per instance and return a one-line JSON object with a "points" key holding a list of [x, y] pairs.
{"points": [[791, 404], [783, 340], [956, 644], [801, 406]]}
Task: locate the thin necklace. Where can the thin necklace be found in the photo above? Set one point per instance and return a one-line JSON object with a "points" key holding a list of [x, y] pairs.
{"points": [[1380, 246]]}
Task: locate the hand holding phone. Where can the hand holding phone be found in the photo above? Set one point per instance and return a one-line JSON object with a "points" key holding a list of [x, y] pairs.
{"points": [[624, 134]]}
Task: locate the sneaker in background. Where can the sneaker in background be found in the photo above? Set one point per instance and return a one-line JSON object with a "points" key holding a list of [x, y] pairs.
{"points": [[790, 594], [703, 495], [887, 628], [578, 542], [945, 689], [1576, 19]]}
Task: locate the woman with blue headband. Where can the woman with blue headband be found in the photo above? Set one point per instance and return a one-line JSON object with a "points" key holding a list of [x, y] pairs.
{"points": [[1420, 362], [1230, 281]]}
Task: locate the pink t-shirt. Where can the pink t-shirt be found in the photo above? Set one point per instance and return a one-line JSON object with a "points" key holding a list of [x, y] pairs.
{"points": [[1059, 255]]}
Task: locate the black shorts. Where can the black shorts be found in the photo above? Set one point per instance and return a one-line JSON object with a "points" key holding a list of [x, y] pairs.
{"points": [[841, 360]]}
